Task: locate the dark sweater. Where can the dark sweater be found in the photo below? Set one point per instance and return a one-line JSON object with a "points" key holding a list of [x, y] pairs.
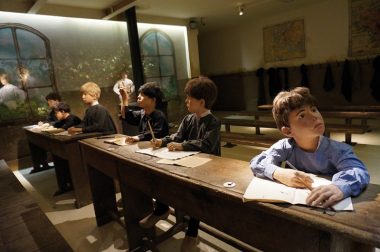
{"points": [[97, 119], [68, 122], [198, 134], [157, 119]]}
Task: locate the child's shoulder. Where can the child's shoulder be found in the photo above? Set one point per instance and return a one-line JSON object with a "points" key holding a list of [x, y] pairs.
{"points": [[333, 145], [284, 143]]}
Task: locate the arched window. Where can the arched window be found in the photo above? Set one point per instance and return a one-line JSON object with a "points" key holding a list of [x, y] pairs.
{"points": [[25, 58], [159, 61]]}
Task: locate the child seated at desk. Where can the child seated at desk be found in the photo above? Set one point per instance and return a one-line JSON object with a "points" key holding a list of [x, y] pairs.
{"points": [[39, 155], [150, 96], [297, 117], [65, 118], [96, 118], [199, 131]]}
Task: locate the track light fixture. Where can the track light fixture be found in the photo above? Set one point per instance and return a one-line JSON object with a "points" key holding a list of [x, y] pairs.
{"points": [[241, 10]]}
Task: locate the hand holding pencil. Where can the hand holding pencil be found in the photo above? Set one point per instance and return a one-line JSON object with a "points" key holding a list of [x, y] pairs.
{"points": [[156, 143], [293, 177]]}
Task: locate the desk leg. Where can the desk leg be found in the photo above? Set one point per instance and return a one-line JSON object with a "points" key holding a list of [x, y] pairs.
{"points": [[342, 244], [103, 194], [62, 172], [136, 206], [228, 129], [79, 175]]}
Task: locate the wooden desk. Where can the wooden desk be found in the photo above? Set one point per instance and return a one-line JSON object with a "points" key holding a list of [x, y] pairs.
{"points": [[199, 192], [66, 152], [23, 225]]}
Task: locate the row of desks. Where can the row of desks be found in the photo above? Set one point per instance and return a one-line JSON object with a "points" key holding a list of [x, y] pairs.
{"points": [[66, 153], [200, 193]]}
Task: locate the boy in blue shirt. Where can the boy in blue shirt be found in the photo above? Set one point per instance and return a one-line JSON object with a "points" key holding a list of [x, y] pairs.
{"points": [[298, 118], [199, 131]]}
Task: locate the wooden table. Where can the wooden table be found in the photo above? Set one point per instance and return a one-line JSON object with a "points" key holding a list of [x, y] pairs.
{"points": [[23, 225], [66, 152], [200, 193]]}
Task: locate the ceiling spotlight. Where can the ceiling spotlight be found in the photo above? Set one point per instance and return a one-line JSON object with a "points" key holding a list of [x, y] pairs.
{"points": [[241, 10]]}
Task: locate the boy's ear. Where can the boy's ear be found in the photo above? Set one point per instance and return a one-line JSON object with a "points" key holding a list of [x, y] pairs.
{"points": [[286, 131], [203, 102]]}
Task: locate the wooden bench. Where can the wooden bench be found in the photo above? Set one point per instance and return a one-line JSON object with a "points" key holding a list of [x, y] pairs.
{"points": [[232, 138], [249, 121], [23, 225]]}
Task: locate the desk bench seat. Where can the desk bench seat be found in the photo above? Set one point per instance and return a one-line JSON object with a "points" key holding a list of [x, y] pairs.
{"points": [[249, 121], [247, 139], [23, 225]]}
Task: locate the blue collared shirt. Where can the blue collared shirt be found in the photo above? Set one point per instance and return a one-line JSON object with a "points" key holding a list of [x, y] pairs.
{"points": [[331, 158]]}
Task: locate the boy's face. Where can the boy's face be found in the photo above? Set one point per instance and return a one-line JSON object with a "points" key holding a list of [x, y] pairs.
{"points": [[3, 81], [305, 122], [194, 105], [145, 101], [87, 98], [59, 115], [52, 103]]}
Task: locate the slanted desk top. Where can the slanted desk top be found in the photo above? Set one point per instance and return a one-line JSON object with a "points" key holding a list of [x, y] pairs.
{"points": [[200, 192]]}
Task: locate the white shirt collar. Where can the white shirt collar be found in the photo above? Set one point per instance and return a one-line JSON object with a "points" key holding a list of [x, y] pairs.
{"points": [[205, 113], [95, 103]]}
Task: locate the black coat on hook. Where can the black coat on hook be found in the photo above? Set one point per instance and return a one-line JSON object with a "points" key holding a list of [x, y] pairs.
{"points": [[261, 99], [346, 88], [375, 83], [329, 82]]}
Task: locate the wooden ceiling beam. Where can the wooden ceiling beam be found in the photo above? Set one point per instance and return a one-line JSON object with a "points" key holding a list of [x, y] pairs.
{"points": [[37, 6], [119, 8]]}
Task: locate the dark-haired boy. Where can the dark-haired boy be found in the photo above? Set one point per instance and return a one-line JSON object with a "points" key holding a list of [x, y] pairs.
{"points": [[65, 118], [199, 131], [150, 96], [39, 155]]}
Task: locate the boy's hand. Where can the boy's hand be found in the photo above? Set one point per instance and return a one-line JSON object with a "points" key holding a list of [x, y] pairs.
{"points": [[73, 130], [293, 178], [175, 147], [132, 139], [156, 143], [124, 96], [324, 196]]}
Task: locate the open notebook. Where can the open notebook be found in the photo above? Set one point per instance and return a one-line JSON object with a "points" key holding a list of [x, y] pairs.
{"points": [[265, 190]]}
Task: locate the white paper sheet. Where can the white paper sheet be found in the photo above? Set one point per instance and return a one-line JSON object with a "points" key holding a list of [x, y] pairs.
{"points": [[190, 161], [165, 153]]}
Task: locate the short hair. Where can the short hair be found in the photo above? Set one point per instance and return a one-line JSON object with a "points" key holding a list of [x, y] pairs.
{"points": [[202, 88], [91, 88], [62, 107], [4, 76], [288, 101], [53, 96], [152, 90]]}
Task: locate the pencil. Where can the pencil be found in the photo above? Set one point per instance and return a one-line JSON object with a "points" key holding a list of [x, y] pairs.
{"points": [[151, 131]]}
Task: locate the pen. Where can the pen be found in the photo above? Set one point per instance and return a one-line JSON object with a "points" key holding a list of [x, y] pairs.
{"points": [[105, 137], [290, 165], [151, 131], [303, 181]]}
